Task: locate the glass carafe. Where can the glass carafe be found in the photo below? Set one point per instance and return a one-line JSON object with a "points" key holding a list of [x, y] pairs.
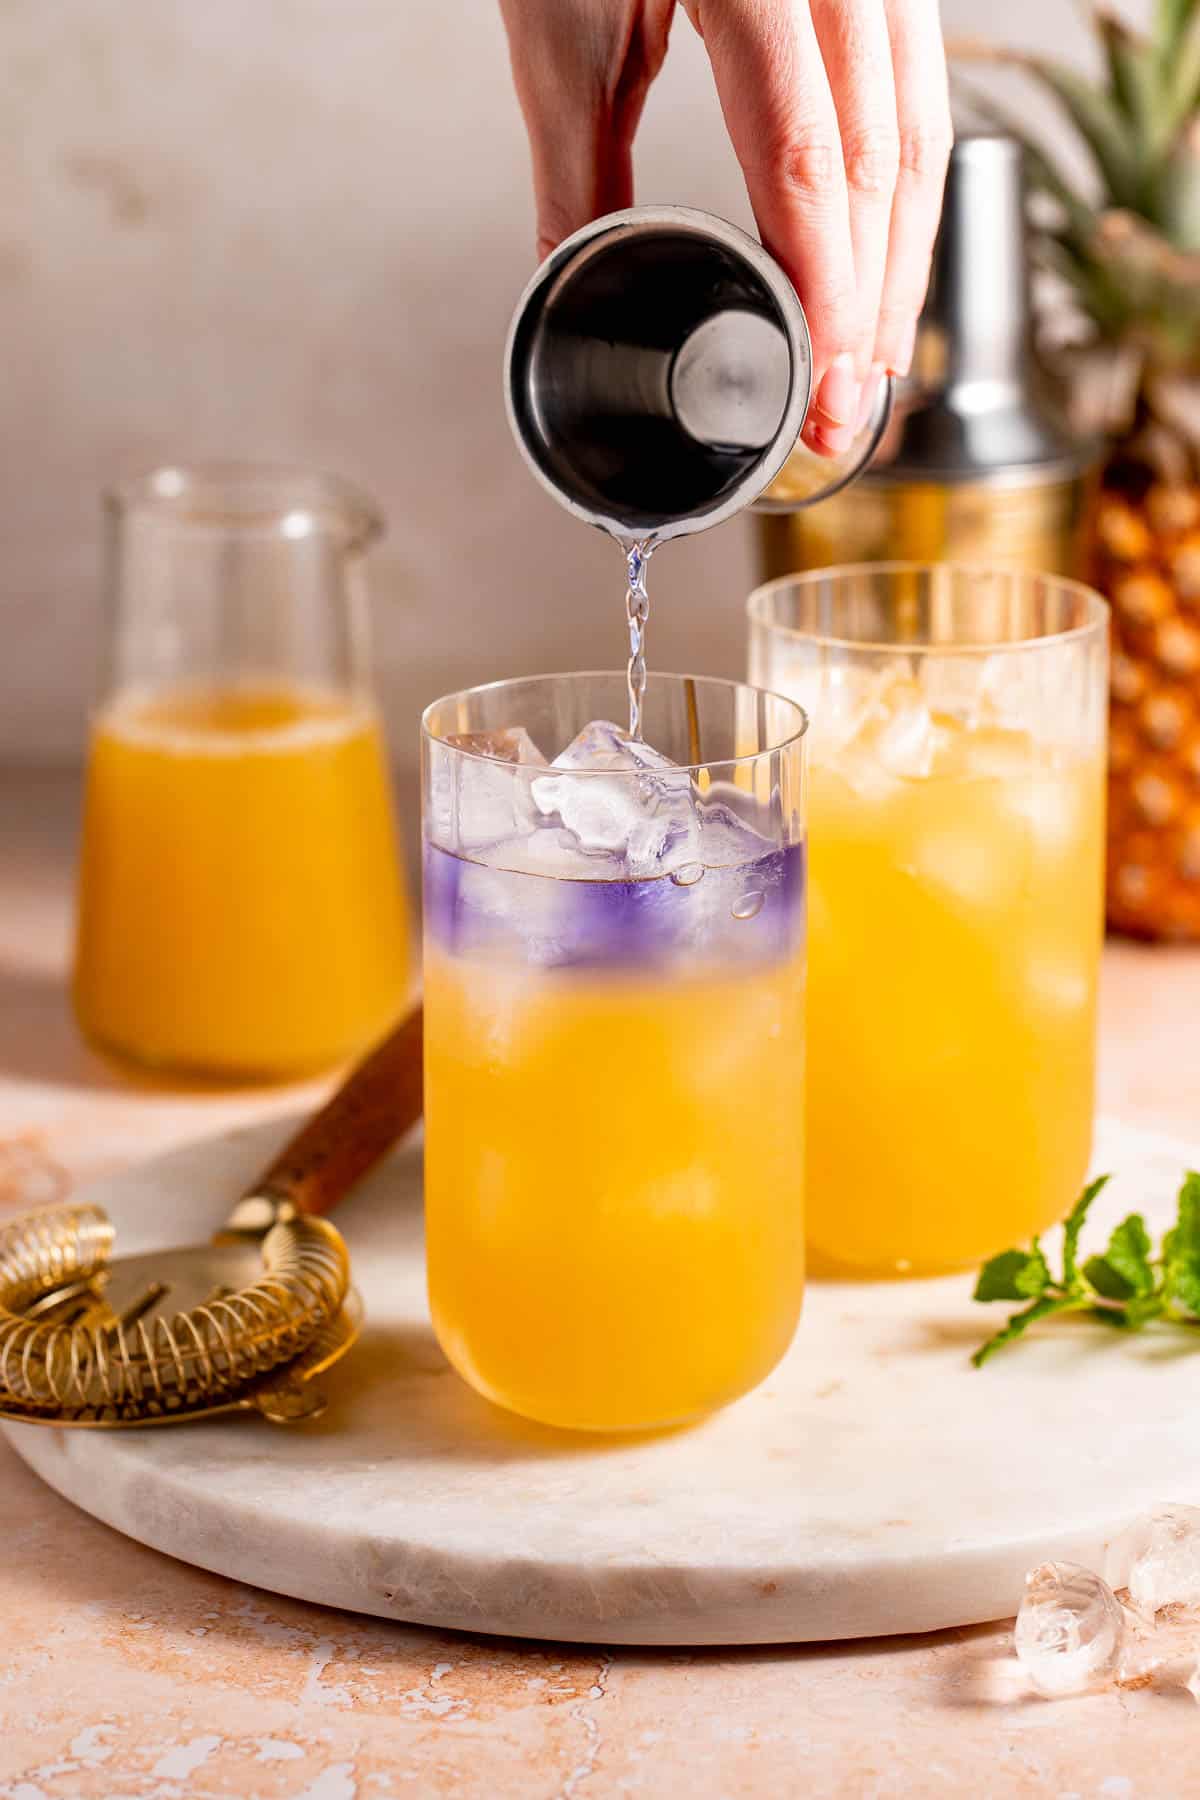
{"points": [[241, 902]]}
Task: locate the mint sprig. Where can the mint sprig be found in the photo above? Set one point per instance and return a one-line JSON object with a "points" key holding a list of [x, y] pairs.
{"points": [[1126, 1287]]}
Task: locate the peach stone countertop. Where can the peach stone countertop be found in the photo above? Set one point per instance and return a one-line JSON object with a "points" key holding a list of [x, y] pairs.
{"points": [[126, 1676]]}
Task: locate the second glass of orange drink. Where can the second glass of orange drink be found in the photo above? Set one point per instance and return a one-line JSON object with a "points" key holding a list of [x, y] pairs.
{"points": [[614, 941], [957, 791], [241, 904]]}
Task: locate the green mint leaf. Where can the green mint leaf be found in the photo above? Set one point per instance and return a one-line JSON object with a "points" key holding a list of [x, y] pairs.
{"points": [[1181, 1245], [1183, 1286], [1126, 1289], [1128, 1253], [1073, 1225], [1142, 1308], [1001, 1276], [1110, 1315], [1185, 1238], [1020, 1323], [1035, 1277], [1105, 1279]]}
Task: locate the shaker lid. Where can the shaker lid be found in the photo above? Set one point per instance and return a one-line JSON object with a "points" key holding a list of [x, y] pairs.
{"points": [[943, 438], [973, 408]]}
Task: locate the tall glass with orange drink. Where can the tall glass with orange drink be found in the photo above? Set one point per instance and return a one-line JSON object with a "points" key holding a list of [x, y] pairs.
{"points": [[613, 1044], [957, 814]]}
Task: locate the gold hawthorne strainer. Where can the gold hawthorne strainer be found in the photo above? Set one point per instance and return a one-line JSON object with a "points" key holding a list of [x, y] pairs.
{"points": [[242, 1322]]}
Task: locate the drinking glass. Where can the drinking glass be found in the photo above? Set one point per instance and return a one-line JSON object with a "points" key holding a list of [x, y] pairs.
{"points": [[957, 805], [241, 908], [613, 1044]]}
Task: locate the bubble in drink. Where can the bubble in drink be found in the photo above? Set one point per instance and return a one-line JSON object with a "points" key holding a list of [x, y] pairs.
{"points": [[748, 906], [687, 874], [1070, 1629]]}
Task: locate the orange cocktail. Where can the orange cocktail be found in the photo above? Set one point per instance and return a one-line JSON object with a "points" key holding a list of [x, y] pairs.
{"points": [[241, 908], [956, 806], [614, 1049]]}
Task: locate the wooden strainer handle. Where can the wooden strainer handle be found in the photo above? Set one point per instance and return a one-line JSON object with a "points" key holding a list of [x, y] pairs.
{"points": [[375, 1106]]}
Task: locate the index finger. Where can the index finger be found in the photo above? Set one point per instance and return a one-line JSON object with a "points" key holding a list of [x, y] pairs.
{"points": [[782, 123]]}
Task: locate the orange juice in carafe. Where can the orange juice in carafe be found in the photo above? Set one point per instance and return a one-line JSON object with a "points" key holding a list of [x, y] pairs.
{"points": [[241, 908]]}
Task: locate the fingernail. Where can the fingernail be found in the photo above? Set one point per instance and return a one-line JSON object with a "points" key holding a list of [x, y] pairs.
{"points": [[829, 440], [837, 396], [870, 394]]}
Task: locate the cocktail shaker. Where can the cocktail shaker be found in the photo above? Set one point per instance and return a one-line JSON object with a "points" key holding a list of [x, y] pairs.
{"points": [[974, 465], [658, 371]]}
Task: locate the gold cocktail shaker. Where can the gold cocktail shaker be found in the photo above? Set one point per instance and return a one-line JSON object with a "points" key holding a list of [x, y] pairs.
{"points": [[974, 465]]}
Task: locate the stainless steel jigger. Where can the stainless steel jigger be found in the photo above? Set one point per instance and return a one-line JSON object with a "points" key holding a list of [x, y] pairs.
{"points": [[658, 371]]}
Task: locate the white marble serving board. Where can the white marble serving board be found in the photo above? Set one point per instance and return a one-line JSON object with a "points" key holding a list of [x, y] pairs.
{"points": [[874, 1484]]}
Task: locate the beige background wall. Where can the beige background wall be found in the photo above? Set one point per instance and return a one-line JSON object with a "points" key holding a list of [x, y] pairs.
{"points": [[294, 229]]}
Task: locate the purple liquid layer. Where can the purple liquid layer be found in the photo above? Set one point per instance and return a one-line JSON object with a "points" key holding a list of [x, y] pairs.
{"points": [[555, 923]]}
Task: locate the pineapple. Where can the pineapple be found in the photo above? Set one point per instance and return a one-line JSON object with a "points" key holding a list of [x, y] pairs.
{"points": [[1129, 254]]}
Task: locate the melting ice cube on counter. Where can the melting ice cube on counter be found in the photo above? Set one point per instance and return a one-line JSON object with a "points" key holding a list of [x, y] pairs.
{"points": [[1070, 1629], [1162, 1552]]}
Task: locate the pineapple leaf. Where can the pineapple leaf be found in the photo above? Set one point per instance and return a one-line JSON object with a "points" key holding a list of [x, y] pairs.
{"points": [[1133, 259], [1081, 219], [1099, 123], [1100, 298], [1161, 286], [1171, 20], [1126, 295], [1178, 206], [1134, 72], [1180, 84], [1095, 114]]}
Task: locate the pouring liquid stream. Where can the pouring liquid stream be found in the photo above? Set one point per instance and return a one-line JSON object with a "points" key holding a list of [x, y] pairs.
{"points": [[637, 610]]}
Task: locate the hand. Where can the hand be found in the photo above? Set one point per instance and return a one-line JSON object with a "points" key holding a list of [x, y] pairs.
{"points": [[839, 116]]}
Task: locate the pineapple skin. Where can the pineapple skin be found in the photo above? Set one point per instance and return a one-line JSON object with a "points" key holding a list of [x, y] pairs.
{"points": [[1144, 555], [1126, 244]]}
